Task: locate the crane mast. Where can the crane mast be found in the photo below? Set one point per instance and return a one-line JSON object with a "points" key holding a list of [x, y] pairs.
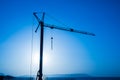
{"points": [[42, 24]]}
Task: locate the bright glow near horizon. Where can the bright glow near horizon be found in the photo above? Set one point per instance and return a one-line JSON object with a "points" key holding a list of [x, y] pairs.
{"points": [[35, 59], [46, 59]]}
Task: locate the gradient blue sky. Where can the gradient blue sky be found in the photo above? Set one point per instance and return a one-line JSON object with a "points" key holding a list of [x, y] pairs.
{"points": [[72, 52]]}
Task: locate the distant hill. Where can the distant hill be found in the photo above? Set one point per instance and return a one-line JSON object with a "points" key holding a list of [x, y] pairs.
{"points": [[9, 77], [6, 77], [68, 75], [77, 77]]}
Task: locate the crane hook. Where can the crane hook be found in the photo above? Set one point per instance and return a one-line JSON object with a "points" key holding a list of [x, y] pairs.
{"points": [[51, 43]]}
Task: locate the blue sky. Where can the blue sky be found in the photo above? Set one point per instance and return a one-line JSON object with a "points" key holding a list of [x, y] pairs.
{"points": [[72, 52]]}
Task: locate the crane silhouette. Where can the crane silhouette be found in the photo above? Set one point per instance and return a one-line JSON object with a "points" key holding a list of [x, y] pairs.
{"points": [[42, 24]]}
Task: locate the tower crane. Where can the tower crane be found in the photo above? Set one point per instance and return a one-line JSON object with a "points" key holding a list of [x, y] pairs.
{"points": [[42, 24]]}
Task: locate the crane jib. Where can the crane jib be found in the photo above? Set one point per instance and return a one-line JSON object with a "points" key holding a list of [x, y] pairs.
{"points": [[68, 29]]}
